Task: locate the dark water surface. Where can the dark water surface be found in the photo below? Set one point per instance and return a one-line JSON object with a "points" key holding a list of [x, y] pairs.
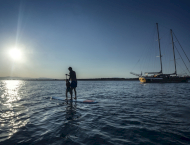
{"points": [[127, 113]]}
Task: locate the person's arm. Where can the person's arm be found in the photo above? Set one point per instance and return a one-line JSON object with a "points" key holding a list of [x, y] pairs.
{"points": [[69, 76]]}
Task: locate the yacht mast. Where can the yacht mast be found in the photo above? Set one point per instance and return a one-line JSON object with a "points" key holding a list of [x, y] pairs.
{"points": [[159, 48], [173, 53]]}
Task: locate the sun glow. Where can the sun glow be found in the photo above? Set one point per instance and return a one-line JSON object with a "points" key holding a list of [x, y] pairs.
{"points": [[15, 54]]}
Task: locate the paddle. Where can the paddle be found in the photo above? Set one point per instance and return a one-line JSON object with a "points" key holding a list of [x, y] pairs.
{"points": [[66, 76]]}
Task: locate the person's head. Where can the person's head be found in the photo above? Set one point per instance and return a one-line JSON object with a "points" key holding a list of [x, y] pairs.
{"points": [[70, 69]]}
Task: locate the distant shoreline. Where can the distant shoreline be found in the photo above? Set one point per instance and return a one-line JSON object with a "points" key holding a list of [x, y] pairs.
{"points": [[98, 79]]}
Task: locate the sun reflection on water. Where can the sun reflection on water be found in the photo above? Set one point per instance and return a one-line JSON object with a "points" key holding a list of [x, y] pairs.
{"points": [[12, 87], [11, 108]]}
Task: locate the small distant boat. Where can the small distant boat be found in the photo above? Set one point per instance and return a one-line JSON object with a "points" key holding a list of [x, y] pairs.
{"points": [[160, 77]]}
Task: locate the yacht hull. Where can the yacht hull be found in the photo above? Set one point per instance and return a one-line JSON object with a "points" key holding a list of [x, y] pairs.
{"points": [[163, 80]]}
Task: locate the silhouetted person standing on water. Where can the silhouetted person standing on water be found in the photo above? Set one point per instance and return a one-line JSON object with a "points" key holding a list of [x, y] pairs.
{"points": [[73, 78], [68, 87]]}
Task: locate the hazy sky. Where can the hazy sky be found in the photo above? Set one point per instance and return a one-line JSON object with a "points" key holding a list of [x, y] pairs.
{"points": [[98, 38]]}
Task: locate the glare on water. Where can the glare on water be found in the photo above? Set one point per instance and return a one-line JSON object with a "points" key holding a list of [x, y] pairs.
{"points": [[12, 87], [127, 113], [10, 120]]}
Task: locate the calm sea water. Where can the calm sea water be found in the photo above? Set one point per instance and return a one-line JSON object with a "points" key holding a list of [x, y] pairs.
{"points": [[127, 113]]}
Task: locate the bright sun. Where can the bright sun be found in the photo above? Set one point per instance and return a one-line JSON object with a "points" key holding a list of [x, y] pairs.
{"points": [[15, 54]]}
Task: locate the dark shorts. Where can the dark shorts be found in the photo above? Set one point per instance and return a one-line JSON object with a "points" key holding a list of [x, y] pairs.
{"points": [[73, 84]]}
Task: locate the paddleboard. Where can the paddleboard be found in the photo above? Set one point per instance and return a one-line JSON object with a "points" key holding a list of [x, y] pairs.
{"points": [[78, 100]]}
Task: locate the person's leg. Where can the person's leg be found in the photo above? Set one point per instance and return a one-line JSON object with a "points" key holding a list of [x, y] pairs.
{"points": [[75, 93], [71, 92], [66, 93]]}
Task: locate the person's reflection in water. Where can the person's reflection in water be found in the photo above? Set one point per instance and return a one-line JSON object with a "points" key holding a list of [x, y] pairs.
{"points": [[70, 110], [70, 128]]}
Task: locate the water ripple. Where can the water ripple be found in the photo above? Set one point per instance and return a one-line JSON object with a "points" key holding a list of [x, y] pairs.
{"points": [[127, 113]]}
